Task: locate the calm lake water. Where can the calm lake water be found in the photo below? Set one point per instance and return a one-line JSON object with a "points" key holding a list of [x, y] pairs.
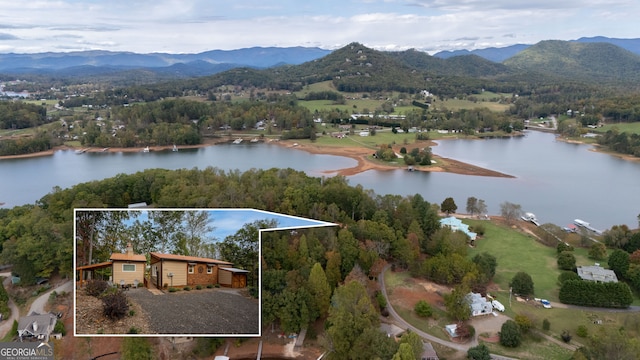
{"points": [[557, 181]]}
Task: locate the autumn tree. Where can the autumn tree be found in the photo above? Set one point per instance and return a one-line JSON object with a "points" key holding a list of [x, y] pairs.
{"points": [[598, 251]]}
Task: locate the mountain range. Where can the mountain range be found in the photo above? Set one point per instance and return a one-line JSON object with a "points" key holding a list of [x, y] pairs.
{"points": [[597, 58]]}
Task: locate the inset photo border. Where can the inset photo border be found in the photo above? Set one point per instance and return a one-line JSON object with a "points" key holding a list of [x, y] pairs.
{"points": [[172, 272]]}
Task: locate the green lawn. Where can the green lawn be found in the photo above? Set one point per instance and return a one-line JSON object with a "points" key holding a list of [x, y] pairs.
{"points": [[633, 128], [517, 252]]}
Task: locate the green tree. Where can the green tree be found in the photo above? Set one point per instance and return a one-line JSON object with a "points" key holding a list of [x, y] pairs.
{"points": [[510, 335], [480, 352], [319, 289], [350, 315], [457, 304], [522, 284], [619, 263], [524, 323], [448, 206], [423, 309], [566, 261], [404, 353], [486, 264], [415, 341], [598, 251]]}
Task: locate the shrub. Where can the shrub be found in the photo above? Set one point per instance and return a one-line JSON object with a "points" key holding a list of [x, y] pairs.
{"points": [[423, 309], [198, 287], [217, 285], [172, 289], [566, 337], [524, 323], [546, 325], [382, 301], [566, 261], [133, 330], [187, 288], [96, 287], [567, 275], [510, 335], [582, 331], [209, 286], [562, 246], [132, 312], [480, 352], [115, 306], [59, 328]]}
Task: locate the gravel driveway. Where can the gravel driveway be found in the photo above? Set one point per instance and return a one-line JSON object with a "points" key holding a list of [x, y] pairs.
{"points": [[210, 311]]}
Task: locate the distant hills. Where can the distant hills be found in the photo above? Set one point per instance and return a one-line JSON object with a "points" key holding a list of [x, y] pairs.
{"points": [[501, 54], [209, 61], [352, 68]]}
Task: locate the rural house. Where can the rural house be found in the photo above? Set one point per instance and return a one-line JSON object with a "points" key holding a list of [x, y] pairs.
{"points": [[36, 327], [456, 224], [180, 270], [596, 273], [126, 268], [479, 304]]}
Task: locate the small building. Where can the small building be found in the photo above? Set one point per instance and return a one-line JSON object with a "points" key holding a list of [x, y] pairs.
{"points": [[232, 277], [597, 273], [456, 224], [451, 330], [479, 304], [36, 327], [127, 268], [181, 270]]}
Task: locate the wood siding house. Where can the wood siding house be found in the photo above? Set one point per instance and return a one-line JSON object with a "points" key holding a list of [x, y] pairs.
{"points": [[168, 270], [128, 268]]}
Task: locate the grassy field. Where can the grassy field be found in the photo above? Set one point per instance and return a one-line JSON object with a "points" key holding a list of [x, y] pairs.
{"points": [[517, 252], [458, 104], [633, 128]]}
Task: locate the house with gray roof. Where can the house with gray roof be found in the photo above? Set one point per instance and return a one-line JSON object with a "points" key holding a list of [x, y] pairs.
{"points": [[36, 326], [597, 273]]}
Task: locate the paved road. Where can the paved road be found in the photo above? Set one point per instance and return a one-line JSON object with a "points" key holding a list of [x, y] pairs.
{"points": [[405, 325], [39, 303], [6, 324]]}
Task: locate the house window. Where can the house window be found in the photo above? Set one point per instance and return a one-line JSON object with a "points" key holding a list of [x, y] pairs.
{"points": [[209, 269], [129, 267], [154, 271], [191, 268]]}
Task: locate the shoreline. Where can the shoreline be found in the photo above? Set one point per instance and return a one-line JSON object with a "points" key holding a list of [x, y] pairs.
{"points": [[360, 154]]}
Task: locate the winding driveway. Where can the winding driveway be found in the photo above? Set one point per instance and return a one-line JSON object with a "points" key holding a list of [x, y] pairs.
{"points": [[403, 324], [6, 324]]}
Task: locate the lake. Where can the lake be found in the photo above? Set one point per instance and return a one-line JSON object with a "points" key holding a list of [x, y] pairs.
{"points": [[557, 181]]}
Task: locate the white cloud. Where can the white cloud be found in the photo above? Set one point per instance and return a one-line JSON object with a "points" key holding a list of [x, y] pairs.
{"points": [[201, 25]]}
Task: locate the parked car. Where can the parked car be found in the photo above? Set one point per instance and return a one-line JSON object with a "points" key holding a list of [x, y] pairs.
{"points": [[497, 305], [545, 303]]}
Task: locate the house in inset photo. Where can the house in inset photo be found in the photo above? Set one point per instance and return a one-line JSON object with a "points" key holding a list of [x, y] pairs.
{"points": [[168, 270], [125, 269], [128, 268]]}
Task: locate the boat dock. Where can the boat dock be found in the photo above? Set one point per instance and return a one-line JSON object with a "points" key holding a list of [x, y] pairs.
{"points": [[587, 226], [530, 217]]}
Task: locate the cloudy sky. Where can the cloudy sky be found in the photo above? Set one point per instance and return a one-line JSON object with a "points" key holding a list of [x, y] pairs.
{"points": [[191, 26]]}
